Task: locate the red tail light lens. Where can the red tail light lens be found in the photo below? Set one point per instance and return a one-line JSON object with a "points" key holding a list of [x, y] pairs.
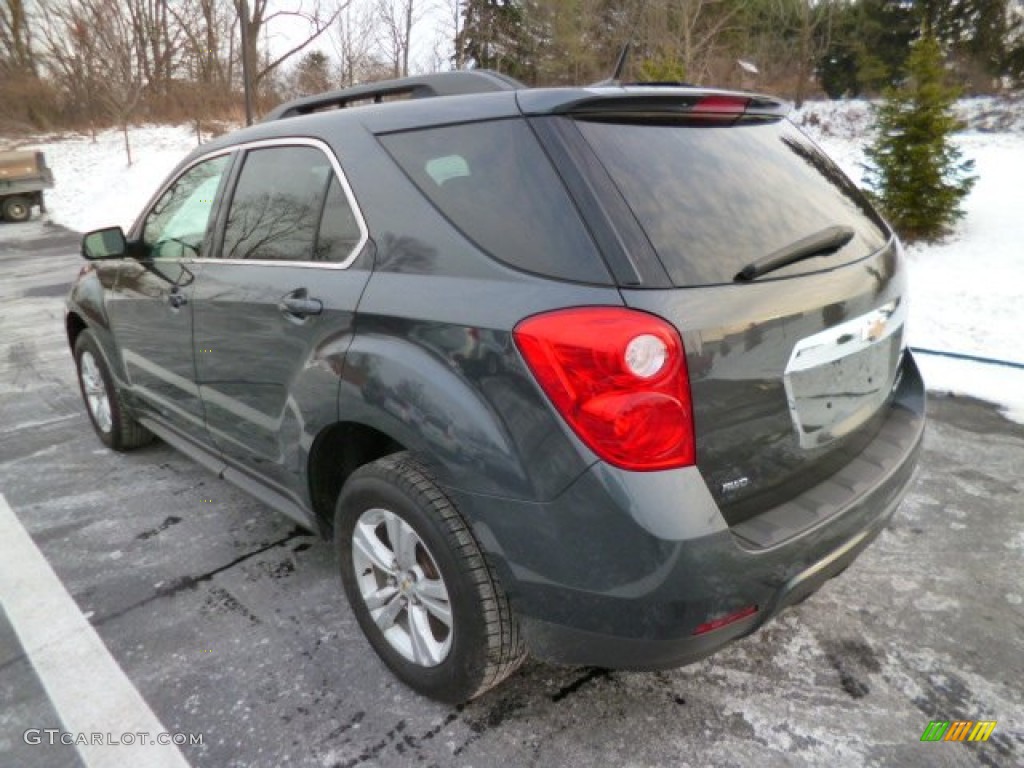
{"points": [[721, 105], [619, 378]]}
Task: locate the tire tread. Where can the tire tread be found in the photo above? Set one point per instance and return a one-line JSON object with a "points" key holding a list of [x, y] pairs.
{"points": [[506, 648]]}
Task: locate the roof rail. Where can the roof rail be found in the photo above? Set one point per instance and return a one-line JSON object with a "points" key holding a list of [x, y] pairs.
{"points": [[453, 83]]}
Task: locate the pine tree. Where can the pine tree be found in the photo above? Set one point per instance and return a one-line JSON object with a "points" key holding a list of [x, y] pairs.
{"points": [[917, 174], [496, 35], [312, 74]]}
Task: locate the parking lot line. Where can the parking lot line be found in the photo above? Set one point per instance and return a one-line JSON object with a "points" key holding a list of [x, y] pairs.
{"points": [[85, 684]]}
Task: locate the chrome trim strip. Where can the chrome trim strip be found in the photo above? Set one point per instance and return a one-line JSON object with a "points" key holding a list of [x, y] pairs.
{"points": [[847, 338], [284, 141], [835, 343]]}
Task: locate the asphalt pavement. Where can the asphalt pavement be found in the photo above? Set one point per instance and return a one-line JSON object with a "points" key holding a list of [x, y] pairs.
{"points": [[230, 623]]}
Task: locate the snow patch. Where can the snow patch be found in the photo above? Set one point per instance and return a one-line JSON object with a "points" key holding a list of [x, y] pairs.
{"points": [[965, 292], [932, 602], [95, 186]]}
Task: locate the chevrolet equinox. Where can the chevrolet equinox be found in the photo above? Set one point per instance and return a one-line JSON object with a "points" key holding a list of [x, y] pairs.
{"points": [[608, 375]]}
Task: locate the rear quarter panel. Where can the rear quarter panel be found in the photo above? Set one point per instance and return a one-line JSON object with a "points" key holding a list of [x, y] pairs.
{"points": [[434, 365]]}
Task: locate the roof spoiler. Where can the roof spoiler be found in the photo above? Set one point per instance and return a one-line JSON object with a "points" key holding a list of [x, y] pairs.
{"points": [[647, 100], [651, 102], [456, 83]]}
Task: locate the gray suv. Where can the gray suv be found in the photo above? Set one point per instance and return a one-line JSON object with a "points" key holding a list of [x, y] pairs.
{"points": [[606, 375]]}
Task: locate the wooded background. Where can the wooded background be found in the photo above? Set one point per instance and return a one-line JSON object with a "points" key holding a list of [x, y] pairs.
{"points": [[96, 63]]}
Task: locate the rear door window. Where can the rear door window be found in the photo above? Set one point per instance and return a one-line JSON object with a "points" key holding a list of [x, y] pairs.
{"points": [[276, 206], [494, 182], [714, 198], [339, 231]]}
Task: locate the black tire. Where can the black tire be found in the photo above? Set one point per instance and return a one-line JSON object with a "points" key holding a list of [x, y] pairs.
{"points": [[17, 208], [118, 429], [485, 642]]}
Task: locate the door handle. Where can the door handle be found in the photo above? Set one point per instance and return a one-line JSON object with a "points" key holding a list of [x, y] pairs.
{"points": [[299, 303], [177, 299]]}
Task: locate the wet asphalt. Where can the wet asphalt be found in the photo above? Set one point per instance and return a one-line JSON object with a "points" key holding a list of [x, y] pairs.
{"points": [[231, 622]]}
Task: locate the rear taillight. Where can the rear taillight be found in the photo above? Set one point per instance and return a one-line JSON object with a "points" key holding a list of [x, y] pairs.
{"points": [[619, 378]]}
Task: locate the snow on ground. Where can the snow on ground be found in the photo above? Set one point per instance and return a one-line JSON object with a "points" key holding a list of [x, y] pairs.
{"points": [[95, 186], [967, 293]]}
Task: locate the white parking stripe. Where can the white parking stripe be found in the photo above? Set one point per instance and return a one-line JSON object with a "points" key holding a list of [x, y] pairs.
{"points": [[86, 686]]}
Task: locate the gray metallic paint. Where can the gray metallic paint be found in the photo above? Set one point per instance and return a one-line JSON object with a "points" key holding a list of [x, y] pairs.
{"points": [[739, 339], [593, 558], [268, 380], [155, 339], [616, 573]]}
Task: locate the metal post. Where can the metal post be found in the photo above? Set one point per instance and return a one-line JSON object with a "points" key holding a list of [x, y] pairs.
{"points": [[243, 18]]}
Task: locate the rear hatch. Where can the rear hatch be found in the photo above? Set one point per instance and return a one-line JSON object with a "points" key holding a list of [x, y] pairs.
{"points": [[790, 371]]}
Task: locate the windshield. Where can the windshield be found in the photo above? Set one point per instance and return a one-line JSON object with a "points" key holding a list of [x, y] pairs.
{"points": [[714, 198]]}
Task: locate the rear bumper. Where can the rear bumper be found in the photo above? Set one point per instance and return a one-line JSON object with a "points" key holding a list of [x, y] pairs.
{"points": [[622, 569], [568, 645]]}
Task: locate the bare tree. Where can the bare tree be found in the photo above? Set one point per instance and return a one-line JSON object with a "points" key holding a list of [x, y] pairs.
{"points": [[396, 20], [158, 41], [451, 30], [258, 15], [93, 52], [786, 37], [690, 31], [209, 42], [354, 38], [15, 38], [814, 17]]}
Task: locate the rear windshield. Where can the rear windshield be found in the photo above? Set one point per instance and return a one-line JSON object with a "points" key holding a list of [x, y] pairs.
{"points": [[494, 182], [714, 198]]}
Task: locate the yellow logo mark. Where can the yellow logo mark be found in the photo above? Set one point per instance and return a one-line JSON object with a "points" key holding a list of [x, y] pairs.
{"points": [[982, 730]]}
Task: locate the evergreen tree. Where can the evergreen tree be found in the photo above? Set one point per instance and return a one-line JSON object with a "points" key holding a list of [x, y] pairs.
{"points": [[917, 174], [312, 74], [496, 34], [662, 68], [868, 46], [979, 33]]}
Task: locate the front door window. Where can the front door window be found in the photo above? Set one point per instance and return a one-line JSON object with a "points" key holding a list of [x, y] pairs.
{"points": [[176, 226]]}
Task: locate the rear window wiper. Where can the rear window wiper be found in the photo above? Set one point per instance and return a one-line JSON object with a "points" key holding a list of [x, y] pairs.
{"points": [[826, 241]]}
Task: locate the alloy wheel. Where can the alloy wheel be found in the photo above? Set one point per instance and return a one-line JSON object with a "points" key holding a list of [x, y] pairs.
{"points": [[95, 392], [402, 587]]}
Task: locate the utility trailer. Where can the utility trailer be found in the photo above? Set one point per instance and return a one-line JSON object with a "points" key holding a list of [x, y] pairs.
{"points": [[23, 177]]}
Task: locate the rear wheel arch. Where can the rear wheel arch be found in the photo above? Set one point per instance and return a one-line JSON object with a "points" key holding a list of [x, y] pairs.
{"points": [[338, 451], [442, 412]]}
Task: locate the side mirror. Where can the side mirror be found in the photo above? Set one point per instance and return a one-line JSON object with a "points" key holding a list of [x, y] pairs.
{"points": [[106, 243]]}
